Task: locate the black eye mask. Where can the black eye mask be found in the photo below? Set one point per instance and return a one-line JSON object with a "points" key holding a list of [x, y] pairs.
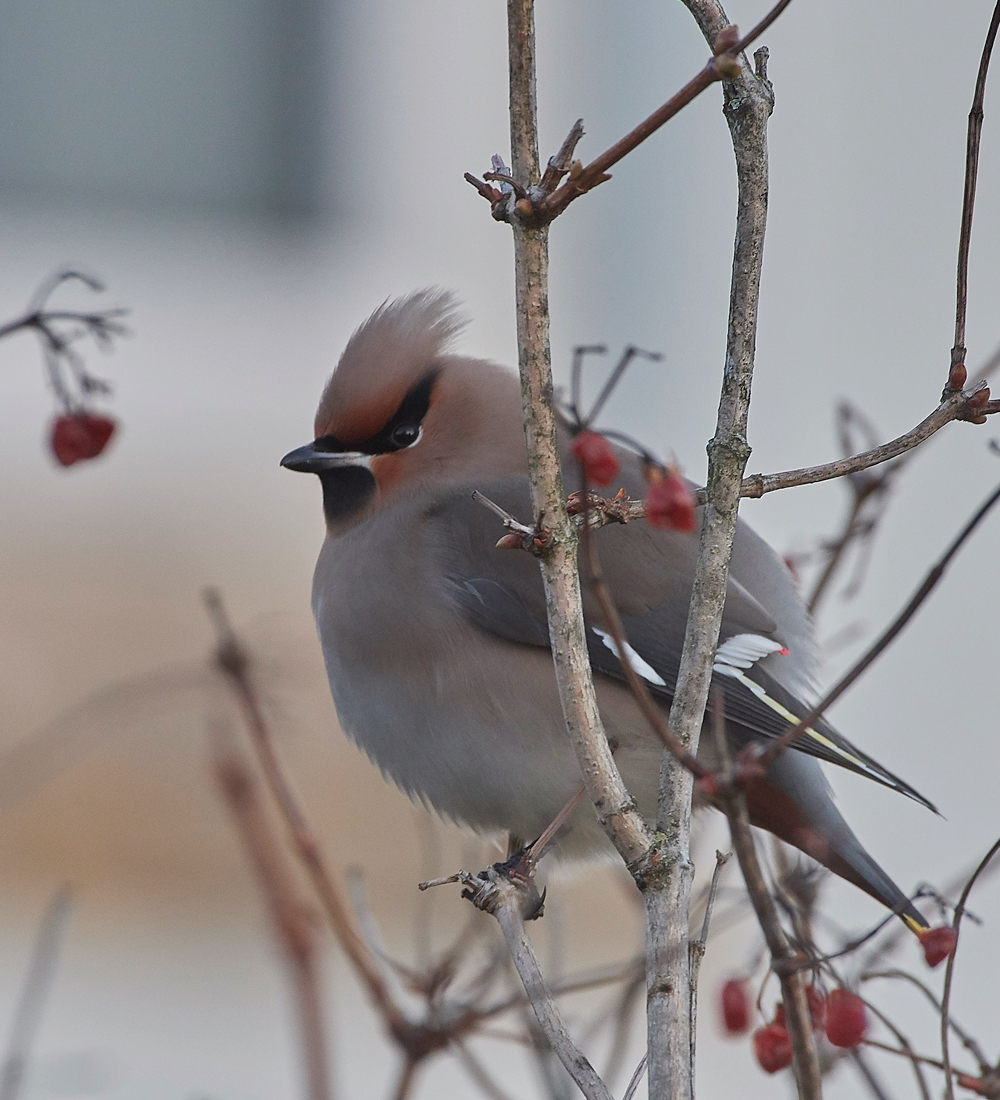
{"points": [[402, 430]]}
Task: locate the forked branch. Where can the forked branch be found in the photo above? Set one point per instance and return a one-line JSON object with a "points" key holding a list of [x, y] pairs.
{"points": [[535, 205]]}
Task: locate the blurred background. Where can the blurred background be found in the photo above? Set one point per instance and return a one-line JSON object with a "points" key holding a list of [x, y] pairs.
{"points": [[251, 179]]}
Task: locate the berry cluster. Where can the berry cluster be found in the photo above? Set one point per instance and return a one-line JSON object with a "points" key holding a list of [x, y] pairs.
{"points": [[669, 502]]}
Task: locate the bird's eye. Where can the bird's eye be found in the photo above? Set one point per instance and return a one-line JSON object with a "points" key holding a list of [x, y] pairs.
{"points": [[404, 435]]}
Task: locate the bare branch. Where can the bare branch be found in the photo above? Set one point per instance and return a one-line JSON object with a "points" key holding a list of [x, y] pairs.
{"points": [[969, 195], [723, 66], [906, 1050], [965, 1038], [477, 1071], [288, 916], [505, 903], [949, 973], [747, 107], [967, 406], [614, 805], [697, 947], [784, 961], [640, 1071], [885, 640], [33, 994], [954, 406], [612, 621], [233, 661]]}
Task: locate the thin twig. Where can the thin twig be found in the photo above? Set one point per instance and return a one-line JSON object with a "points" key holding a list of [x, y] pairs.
{"points": [[964, 1037], [954, 406], [907, 1049], [508, 913], [697, 947], [969, 194], [477, 1071], [66, 368], [628, 1002], [784, 962], [949, 973], [722, 66], [407, 1076], [612, 621], [640, 1072], [885, 640], [537, 849], [292, 927], [34, 992], [607, 975], [233, 661], [867, 1075]]}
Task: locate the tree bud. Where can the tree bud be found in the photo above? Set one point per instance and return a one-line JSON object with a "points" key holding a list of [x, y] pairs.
{"points": [[726, 39], [728, 67]]}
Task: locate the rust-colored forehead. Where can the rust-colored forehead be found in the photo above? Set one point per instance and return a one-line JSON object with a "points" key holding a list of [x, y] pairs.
{"points": [[384, 358], [353, 416]]}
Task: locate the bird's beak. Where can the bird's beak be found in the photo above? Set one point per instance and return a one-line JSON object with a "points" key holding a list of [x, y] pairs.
{"points": [[307, 460]]}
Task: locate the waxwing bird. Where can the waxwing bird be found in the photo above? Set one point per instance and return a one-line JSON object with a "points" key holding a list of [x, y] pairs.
{"points": [[436, 643]]}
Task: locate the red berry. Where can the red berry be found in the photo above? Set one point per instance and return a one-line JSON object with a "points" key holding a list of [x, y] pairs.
{"points": [[593, 452], [735, 1007], [846, 1019], [76, 436], [669, 504], [772, 1047], [938, 944], [817, 1007]]}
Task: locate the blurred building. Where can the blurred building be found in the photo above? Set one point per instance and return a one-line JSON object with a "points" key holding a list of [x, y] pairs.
{"points": [[187, 104]]}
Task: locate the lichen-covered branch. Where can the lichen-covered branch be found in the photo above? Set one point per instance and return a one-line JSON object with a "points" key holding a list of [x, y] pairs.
{"points": [[615, 807], [747, 106]]}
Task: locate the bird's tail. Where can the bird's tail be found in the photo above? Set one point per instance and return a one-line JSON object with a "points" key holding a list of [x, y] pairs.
{"points": [[795, 803]]}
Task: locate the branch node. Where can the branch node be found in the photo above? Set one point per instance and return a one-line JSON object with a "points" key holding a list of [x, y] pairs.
{"points": [[760, 64]]}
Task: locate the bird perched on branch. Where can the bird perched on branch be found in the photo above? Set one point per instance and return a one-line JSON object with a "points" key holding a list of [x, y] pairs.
{"points": [[436, 642]]}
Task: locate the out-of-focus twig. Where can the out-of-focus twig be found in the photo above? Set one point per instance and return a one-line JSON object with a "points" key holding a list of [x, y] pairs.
{"points": [[969, 196], [964, 1037], [697, 947], [292, 926], [784, 961], [935, 574], [232, 660], [906, 1048], [34, 991], [59, 329], [949, 973], [477, 1071]]}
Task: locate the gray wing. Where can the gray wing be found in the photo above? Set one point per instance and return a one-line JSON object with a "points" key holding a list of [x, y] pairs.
{"points": [[650, 575]]}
